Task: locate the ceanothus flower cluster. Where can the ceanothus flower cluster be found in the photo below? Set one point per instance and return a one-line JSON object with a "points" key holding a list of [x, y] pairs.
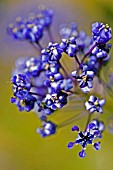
{"points": [[45, 84]]}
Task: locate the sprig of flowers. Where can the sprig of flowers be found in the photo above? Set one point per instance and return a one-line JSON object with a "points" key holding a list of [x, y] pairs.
{"points": [[44, 85]]}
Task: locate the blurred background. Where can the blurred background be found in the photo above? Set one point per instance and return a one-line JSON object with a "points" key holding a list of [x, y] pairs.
{"points": [[21, 148]]}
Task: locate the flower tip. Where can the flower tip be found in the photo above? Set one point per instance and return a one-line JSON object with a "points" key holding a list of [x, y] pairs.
{"points": [[92, 125], [97, 146], [75, 128], [70, 145], [74, 73], [82, 154]]}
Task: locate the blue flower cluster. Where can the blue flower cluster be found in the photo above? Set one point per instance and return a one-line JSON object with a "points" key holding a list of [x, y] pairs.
{"points": [[32, 28], [44, 84]]}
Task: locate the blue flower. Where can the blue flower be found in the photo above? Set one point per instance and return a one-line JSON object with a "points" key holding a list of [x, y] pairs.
{"points": [[21, 85], [26, 30], [99, 125], [52, 102], [94, 104], [93, 64], [85, 80], [24, 104], [48, 128], [52, 53], [85, 138], [45, 16], [56, 100], [17, 32], [54, 77], [69, 46], [67, 31], [34, 32], [57, 86], [51, 68], [43, 108], [32, 28], [29, 66], [84, 42], [65, 85], [101, 33], [102, 52]]}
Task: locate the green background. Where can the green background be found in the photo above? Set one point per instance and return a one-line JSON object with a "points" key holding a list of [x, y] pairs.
{"points": [[20, 147]]}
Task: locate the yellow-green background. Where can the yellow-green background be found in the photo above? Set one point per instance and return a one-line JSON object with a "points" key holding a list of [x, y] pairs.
{"points": [[20, 147]]}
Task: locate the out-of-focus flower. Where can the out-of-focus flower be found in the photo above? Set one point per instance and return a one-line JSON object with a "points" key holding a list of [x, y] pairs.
{"points": [[48, 128]]}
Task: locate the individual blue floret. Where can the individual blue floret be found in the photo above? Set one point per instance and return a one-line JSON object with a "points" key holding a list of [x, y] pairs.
{"points": [[53, 67], [56, 100], [34, 32], [84, 42], [26, 104], [85, 138], [33, 67], [54, 77], [52, 53], [85, 80], [30, 66], [99, 125], [67, 31], [17, 32], [102, 52], [65, 85], [101, 33], [48, 128], [93, 64], [69, 46], [94, 104], [52, 102]]}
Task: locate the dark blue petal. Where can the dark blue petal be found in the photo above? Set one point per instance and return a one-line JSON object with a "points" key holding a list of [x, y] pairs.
{"points": [[70, 145], [75, 128], [97, 146], [82, 154]]}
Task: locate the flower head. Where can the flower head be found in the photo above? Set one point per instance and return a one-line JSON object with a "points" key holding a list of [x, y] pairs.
{"points": [[26, 30]]}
